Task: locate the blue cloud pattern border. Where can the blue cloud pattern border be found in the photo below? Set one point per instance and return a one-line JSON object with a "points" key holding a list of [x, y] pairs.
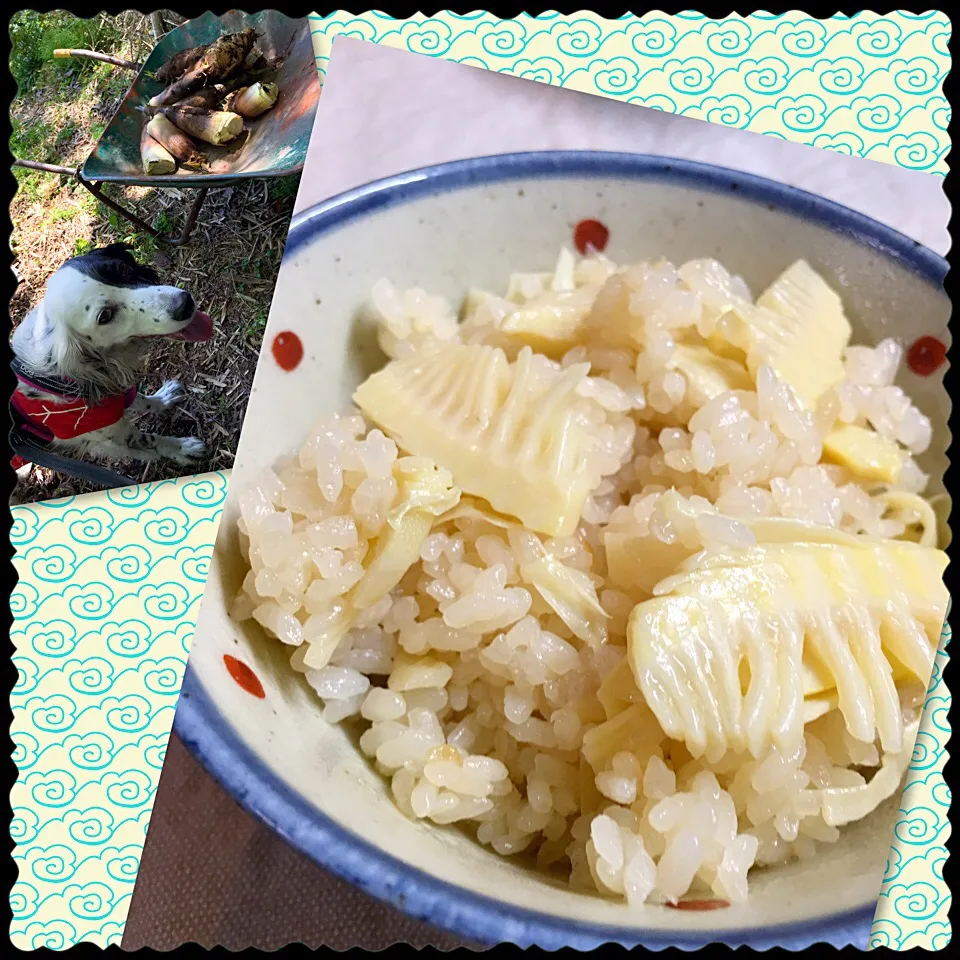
{"points": [[108, 592], [868, 85], [110, 583]]}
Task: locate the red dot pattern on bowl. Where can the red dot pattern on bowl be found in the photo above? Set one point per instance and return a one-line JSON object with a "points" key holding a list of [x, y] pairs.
{"points": [[926, 356], [244, 676], [590, 233], [287, 350]]}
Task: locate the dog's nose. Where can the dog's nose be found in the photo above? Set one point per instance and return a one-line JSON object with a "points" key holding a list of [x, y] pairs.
{"points": [[183, 306]]}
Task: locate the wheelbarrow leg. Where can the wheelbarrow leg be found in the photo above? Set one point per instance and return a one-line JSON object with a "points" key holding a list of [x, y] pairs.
{"points": [[96, 190], [191, 220], [188, 226]]}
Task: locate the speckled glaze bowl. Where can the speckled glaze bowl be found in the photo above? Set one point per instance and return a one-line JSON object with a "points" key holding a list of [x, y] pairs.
{"points": [[470, 223]]}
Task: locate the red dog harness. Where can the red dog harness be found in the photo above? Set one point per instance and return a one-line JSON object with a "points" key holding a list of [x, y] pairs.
{"points": [[72, 414]]}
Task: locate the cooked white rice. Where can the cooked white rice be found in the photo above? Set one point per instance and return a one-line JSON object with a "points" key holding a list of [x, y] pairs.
{"points": [[476, 693]]}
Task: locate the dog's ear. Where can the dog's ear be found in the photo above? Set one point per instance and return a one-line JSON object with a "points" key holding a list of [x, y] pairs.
{"points": [[116, 258], [119, 251], [112, 251], [148, 274]]}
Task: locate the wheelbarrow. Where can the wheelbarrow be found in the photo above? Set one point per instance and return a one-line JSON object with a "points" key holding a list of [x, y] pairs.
{"points": [[272, 145]]}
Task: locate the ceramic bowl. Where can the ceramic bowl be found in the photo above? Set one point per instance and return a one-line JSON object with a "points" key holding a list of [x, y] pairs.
{"points": [[470, 223]]}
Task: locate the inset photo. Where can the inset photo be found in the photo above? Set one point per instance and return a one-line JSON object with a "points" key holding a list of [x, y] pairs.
{"points": [[580, 577], [157, 162]]}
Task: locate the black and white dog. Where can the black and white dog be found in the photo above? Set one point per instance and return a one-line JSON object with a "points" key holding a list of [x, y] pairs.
{"points": [[79, 354]]}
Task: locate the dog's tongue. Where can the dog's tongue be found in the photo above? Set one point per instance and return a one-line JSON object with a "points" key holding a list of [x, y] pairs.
{"points": [[199, 328]]}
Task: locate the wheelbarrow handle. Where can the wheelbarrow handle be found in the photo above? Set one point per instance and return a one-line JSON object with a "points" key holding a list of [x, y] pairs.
{"points": [[45, 167], [93, 55]]}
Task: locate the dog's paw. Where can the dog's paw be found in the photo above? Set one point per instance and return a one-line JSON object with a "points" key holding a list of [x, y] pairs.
{"points": [[190, 449], [170, 393]]}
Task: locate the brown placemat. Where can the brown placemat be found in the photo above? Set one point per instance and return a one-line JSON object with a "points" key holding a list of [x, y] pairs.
{"points": [[212, 874]]}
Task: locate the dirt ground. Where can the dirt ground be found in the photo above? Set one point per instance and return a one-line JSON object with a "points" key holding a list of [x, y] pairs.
{"points": [[230, 265]]}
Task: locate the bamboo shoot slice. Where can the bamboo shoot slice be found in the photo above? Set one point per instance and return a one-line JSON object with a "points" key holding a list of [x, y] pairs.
{"points": [[635, 730], [511, 434], [798, 329], [850, 604], [865, 453], [707, 374], [570, 593], [843, 805], [551, 323], [425, 493]]}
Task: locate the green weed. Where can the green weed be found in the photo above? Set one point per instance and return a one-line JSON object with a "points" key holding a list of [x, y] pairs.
{"points": [[163, 222], [283, 188], [34, 36], [62, 213], [256, 325]]}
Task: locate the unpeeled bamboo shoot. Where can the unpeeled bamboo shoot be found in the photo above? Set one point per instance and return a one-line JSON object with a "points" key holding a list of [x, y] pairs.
{"points": [[211, 126], [209, 98], [249, 73], [219, 60], [175, 141], [155, 158], [250, 102], [179, 64]]}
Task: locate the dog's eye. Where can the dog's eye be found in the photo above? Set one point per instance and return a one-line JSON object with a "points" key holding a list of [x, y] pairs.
{"points": [[105, 315]]}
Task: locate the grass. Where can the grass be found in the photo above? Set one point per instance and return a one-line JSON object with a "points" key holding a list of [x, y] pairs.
{"points": [[285, 189], [257, 325], [230, 266], [34, 36], [62, 213]]}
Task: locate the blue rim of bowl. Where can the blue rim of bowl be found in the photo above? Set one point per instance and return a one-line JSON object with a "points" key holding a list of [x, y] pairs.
{"points": [[441, 178], [213, 741]]}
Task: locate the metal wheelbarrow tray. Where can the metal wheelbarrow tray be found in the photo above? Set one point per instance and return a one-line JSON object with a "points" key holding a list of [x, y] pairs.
{"points": [[272, 145], [276, 144]]}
